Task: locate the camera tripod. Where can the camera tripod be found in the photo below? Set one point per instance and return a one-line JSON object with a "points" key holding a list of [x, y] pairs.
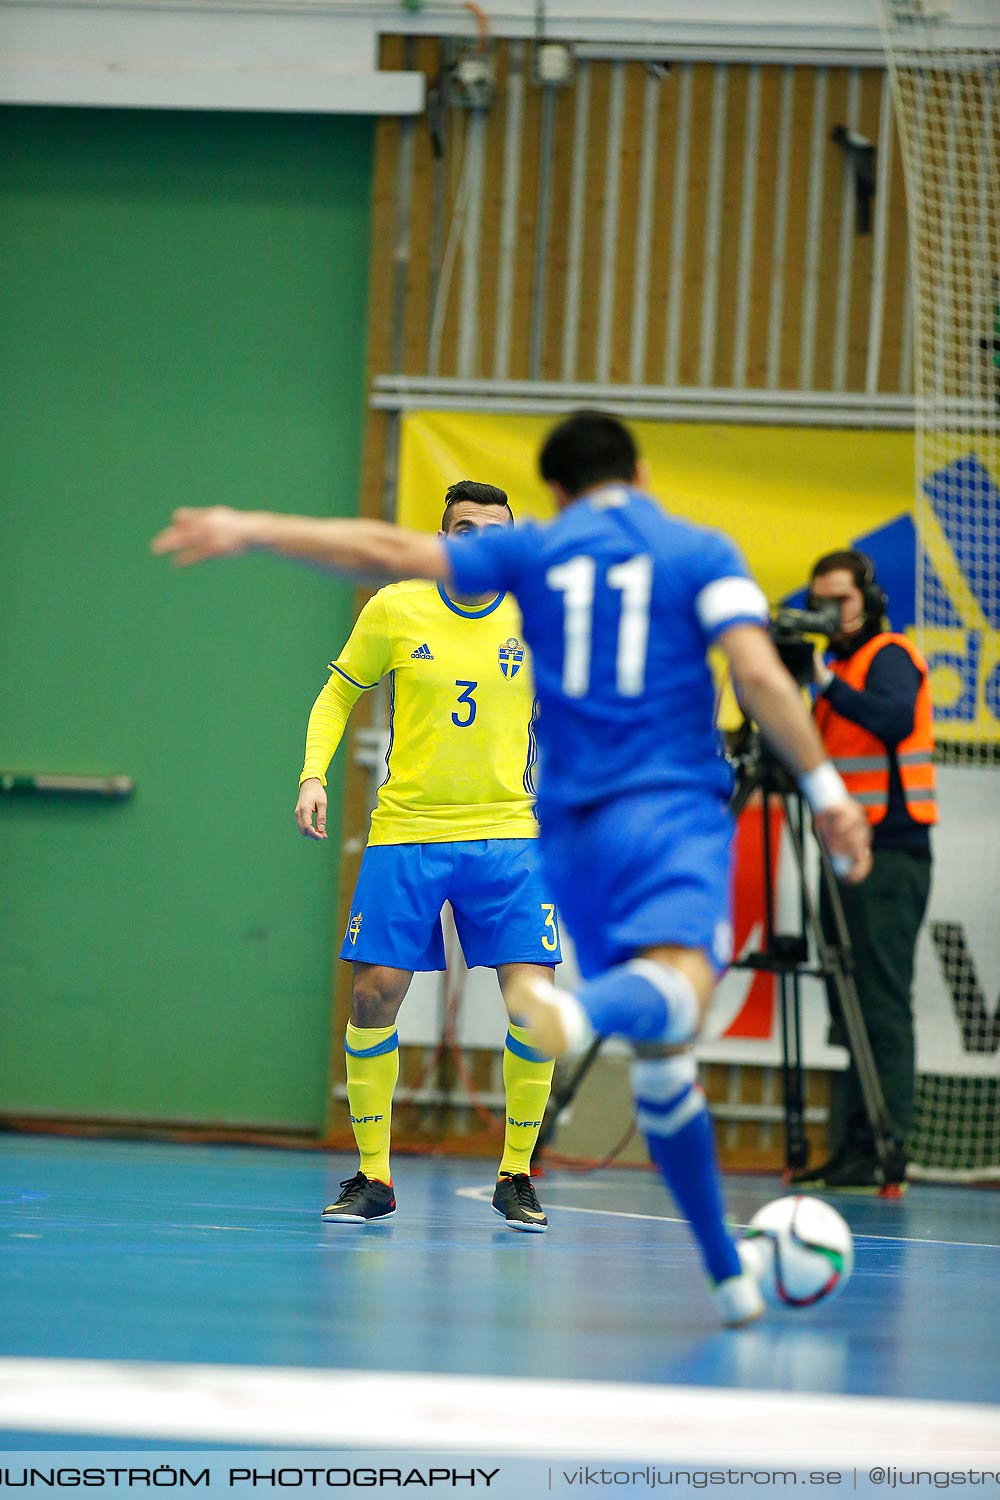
{"points": [[786, 954]]}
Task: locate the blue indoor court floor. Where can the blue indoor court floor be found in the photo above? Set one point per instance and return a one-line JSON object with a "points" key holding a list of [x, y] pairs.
{"points": [[167, 1294]]}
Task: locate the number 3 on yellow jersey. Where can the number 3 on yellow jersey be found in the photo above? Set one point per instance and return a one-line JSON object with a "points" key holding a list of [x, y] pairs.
{"points": [[465, 697]]}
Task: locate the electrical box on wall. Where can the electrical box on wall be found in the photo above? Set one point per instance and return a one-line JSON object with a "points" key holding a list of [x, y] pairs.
{"points": [[470, 75]]}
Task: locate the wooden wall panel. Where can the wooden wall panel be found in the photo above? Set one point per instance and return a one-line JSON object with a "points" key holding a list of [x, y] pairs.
{"points": [[764, 222], [729, 246], [795, 252], [771, 264], [693, 276], [896, 283], [527, 208], [656, 302], [592, 216], [863, 245], [419, 276], [445, 304], [627, 220], [489, 259], [559, 230], [833, 192]]}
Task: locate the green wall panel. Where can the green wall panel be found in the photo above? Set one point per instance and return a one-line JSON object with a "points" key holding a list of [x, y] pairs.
{"points": [[182, 321]]}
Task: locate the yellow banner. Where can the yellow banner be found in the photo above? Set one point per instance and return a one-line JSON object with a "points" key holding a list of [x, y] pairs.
{"points": [[785, 494]]}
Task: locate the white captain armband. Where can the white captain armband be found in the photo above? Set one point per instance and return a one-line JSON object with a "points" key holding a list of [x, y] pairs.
{"points": [[729, 601]]}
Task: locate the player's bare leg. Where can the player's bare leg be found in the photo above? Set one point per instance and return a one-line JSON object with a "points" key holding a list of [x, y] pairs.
{"points": [[377, 992]]}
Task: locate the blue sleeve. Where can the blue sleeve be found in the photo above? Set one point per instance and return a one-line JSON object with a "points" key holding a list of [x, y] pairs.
{"points": [[723, 591], [492, 559], [887, 703]]}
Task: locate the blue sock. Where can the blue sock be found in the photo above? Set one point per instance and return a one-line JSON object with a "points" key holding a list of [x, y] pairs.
{"points": [[674, 1118], [642, 1000]]}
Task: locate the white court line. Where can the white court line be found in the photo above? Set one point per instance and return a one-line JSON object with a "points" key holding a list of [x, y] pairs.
{"points": [[581, 1418], [483, 1194]]}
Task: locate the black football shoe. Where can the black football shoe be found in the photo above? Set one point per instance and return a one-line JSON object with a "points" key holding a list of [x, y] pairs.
{"points": [[516, 1200], [361, 1200]]}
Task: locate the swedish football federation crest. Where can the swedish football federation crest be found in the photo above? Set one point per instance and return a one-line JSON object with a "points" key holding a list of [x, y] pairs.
{"points": [[511, 655], [354, 927]]}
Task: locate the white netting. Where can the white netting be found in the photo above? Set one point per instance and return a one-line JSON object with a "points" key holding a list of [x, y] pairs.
{"points": [[944, 60]]}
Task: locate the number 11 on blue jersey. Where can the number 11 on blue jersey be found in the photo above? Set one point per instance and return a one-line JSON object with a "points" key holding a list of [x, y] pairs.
{"points": [[576, 581]]}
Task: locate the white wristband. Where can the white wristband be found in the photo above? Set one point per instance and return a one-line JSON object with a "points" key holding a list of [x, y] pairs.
{"points": [[823, 787]]}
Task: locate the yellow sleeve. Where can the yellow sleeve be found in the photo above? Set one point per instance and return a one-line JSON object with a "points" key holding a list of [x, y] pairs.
{"points": [[327, 722], [360, 665]]}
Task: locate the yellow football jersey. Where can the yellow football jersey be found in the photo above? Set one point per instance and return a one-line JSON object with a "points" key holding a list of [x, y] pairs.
{"points": [[461, 753]]}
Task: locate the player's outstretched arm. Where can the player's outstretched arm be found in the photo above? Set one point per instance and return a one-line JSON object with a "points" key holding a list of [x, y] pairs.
{"points": [[358, 549], [772, 698]]}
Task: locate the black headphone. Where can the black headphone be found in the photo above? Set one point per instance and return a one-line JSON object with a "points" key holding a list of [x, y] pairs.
{"points": [[876, 600]]}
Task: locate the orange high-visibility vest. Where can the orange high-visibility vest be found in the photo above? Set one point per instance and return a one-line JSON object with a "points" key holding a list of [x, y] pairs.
{"points": [[863, 760]]}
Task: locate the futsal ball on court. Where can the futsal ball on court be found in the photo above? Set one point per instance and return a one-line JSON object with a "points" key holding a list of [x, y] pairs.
{"points": [[803, 1251]]}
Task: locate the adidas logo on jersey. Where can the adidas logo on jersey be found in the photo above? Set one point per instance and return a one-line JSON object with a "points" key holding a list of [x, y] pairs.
{"points": [[423, 653]]}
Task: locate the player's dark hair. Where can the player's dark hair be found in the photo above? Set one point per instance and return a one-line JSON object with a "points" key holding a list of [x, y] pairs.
{"points": [[479, 494], [588, 448]]}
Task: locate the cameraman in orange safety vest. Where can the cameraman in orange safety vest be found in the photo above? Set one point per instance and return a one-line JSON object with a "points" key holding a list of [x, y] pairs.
{"points": [[873, 711]]}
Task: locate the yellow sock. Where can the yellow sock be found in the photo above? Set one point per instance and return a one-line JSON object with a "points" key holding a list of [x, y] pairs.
{"points": [[527, 1078], [372, 1070]]}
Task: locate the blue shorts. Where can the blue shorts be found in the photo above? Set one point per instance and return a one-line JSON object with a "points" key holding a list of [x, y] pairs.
{"points": [[644, 869], [504, 911]]}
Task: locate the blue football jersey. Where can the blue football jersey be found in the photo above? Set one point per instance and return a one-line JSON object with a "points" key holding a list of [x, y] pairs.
{"points": [[620, 602]]}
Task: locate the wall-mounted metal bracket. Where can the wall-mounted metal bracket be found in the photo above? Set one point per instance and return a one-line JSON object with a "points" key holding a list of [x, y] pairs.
{"points": [[860, 153]]}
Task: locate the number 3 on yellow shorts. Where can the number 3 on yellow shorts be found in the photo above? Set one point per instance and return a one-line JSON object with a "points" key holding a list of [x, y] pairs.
{"points": [[550, 939]]}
